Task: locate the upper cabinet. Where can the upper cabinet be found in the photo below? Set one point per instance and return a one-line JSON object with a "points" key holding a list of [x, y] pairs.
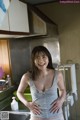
{"points": [[22, 20], [37, 25], [5, 23], [40, 24], [18, 16]]}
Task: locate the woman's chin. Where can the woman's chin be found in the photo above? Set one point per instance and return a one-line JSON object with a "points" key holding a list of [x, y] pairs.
{"points": [[41, 67]]}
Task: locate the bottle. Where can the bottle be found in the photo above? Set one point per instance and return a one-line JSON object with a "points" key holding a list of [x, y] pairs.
{"points": [[9, 80], [14, 104]]}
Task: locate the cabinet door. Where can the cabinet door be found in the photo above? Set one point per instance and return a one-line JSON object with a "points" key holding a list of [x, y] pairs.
{"points": [[18, 16], [37, 25], [5, 24], [5, 56]]}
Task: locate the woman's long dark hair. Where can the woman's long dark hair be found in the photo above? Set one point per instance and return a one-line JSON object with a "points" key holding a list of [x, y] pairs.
{"points": [[37, 50]]}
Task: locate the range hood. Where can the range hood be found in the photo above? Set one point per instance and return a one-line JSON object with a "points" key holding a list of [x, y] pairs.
{"points": [[37, 23]]}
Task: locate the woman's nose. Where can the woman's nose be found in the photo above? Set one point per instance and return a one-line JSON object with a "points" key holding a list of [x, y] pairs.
{"points": [[40, 59]]}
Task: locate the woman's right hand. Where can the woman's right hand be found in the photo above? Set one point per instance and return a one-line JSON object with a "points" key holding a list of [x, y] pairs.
{"points": [[34, 108]]}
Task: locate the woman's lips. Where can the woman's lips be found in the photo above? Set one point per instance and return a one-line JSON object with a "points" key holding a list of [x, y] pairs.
{"points": [[41, 64]]}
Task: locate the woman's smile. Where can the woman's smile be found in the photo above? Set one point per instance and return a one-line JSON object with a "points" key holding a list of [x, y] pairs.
{"points": [[41, 64], [41, 60]]}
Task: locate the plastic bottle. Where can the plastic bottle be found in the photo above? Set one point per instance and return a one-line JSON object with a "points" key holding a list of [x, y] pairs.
{"points": [[9, 80], [14, 105]]}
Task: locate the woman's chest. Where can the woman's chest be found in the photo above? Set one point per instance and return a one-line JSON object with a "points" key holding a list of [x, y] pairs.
{"points": [[44, 83]]}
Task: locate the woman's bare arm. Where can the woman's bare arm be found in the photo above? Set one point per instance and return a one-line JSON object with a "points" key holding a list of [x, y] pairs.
{"points": [[20, 93], [22, 86], [61, 87]]}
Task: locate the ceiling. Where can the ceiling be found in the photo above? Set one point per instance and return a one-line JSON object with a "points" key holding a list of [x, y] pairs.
{"points": [[37, 2]]}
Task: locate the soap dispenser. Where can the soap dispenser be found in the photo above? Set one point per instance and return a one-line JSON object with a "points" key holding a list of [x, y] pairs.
{"points": [[14, 104]]}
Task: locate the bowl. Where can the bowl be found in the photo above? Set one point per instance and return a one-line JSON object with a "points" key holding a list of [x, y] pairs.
{"points": [[2, 82]]}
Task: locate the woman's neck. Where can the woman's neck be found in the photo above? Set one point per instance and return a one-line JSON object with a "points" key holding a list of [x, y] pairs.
{"points": [[43, 73]]}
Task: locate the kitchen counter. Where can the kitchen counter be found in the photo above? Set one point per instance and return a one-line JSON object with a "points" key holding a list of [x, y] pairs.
{"points": [[6, 92], [22, 108], [5, 106], [6, 97]]}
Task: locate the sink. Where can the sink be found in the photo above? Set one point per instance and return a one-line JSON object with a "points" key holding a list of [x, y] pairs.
{"points": [[19, 115]]}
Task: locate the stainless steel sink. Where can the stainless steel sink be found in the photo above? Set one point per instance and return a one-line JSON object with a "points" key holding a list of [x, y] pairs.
{"points": [[19, 115]]}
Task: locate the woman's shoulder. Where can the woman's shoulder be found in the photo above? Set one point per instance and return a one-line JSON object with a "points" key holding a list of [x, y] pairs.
{"points": [[59, 75], [26, 76], [52, 70]]}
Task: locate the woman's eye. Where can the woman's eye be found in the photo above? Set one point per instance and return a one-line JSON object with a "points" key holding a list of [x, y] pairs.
{"points": [[44, 56], [37, 58]]}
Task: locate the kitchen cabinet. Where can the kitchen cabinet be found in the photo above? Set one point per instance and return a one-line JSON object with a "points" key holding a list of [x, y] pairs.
{"points": [[37, 25], [18, 16], [40, 24], [5, 23], [24, 20], [5, 56]]}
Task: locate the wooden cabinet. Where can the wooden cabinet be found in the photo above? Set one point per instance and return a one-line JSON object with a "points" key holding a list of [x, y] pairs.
{"points": [[5, 56], [18, 16]]}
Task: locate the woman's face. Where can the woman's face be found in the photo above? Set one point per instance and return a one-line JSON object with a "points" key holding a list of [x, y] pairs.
{"points": [[41, 61]]}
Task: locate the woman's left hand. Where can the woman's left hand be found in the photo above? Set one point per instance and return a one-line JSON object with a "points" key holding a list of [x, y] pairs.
{"points": [[56, 105]]}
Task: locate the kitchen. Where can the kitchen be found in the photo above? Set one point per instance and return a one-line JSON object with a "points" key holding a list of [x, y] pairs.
{"points": [[67, 18]]}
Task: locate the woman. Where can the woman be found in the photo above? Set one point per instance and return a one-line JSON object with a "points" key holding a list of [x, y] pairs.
{"points": [[43, 81]]}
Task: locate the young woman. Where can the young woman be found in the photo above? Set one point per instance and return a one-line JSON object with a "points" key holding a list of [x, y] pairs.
{"points": [[43, 81]]}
